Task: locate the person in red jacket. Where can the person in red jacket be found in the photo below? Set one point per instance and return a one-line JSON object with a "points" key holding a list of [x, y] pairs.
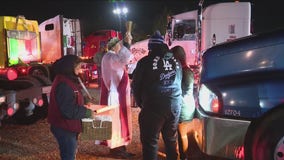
{"points": [[66, 108]]}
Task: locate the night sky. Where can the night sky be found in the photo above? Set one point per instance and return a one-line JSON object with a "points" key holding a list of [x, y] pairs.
{"points": [[97, 14]]}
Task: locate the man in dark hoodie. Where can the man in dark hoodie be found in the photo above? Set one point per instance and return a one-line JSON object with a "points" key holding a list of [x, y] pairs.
{"points": [[66, 108], [157, 90]]}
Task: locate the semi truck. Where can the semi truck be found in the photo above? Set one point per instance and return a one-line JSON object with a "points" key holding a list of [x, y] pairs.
{"points": [[27, 52], [203, 28], [200, 29], [93, 41], [91, 45], [20, 70], [240, 101], [59, 36]]}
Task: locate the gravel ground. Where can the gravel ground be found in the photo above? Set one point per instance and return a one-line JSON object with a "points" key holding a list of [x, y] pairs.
{"points": [[34, 142]]}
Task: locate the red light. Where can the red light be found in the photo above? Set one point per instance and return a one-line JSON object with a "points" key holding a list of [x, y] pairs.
{"points": [[23, 70], [12, 74], [239, 152], [10, 111], [215, 105], [40, 102]]}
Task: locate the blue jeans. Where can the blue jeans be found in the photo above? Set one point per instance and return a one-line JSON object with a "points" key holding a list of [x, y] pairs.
{"points": [[151, 124], [67, 142]]}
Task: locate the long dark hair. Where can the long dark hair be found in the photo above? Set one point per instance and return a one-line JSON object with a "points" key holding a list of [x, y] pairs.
{"points": [[179, 54]]}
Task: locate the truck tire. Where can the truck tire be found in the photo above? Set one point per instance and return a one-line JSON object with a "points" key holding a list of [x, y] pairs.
{"points": [[265, 138], [39, 70], [30, 79]]}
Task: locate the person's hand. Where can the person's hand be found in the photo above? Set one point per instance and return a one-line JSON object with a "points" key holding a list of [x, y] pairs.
{"points": [[92, 106], [128, 38]]}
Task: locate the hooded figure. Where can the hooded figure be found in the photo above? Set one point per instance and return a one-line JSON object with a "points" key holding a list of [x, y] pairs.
{"points": [[66, 107], [156, 87]]}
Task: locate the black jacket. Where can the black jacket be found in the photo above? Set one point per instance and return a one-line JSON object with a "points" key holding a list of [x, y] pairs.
{"points": [[157, 80]]}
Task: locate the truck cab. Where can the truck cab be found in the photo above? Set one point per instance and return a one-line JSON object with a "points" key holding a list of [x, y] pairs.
{"points": [[91, 45], [241, 98], [219, 23], [60, 36]]}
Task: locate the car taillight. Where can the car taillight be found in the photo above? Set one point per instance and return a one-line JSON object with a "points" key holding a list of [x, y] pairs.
{"points": [[215, 105], [208, 100], [10, 111], [40, 102]]}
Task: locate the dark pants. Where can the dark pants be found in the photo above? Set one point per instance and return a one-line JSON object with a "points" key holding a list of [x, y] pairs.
{"points": [[151, 124], [67, 142]]}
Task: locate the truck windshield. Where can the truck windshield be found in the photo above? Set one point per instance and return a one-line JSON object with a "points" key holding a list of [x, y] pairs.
{"points": [[184, 29]]}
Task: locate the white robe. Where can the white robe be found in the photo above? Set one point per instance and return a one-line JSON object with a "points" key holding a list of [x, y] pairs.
{"points": [[113, 68]]}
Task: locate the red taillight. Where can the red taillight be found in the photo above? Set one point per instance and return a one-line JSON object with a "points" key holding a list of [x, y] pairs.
{"points": [[215, 105], [11, 74], [10, 111], [239, 152], [40, 102]]}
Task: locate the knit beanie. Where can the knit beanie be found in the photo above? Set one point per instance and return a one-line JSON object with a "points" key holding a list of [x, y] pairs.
{"points": [[156, 38]]}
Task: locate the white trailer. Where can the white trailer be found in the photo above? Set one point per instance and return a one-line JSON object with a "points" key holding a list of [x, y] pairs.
{"points": [[220, 22]]}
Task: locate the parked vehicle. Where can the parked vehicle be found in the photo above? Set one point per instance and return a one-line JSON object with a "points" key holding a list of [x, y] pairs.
{"points": [[241, 98], [21, 73], [60, 36], [203, 28], [27, 52], [91, 45]]}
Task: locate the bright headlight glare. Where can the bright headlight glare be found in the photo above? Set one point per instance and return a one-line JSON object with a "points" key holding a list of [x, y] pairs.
{"points": [[208, 100]]}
